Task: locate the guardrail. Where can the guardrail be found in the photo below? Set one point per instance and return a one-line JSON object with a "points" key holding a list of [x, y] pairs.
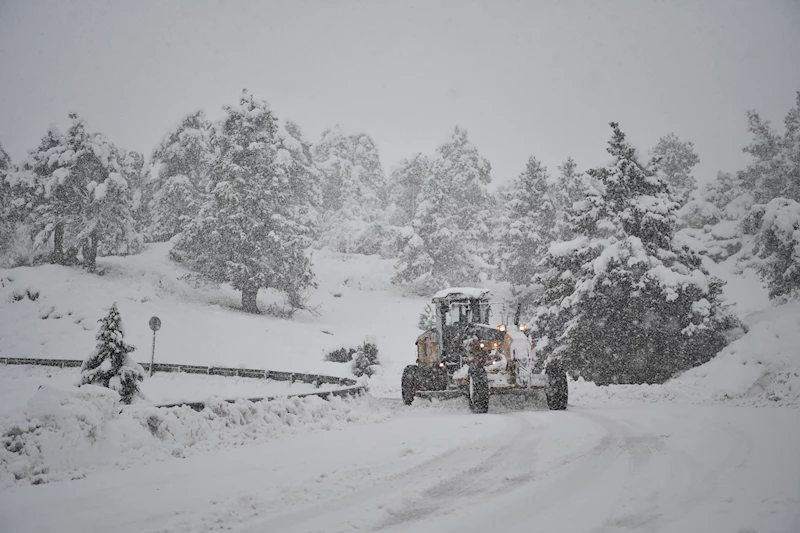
{"points": [[350, 388]]}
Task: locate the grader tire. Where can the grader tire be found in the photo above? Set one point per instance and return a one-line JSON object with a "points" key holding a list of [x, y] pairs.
{"points": [[409, 384], [478, 389], [557, 391]]}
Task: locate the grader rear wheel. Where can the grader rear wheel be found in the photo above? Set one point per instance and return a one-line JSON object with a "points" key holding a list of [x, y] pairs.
{"points": [[478, 389], [556, 392]]}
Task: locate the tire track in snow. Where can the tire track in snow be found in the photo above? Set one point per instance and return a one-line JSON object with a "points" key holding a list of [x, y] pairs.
{"points": [[448, 470]]}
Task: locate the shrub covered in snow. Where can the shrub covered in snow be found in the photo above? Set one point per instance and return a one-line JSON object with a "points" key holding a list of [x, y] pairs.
{"points": [[340, 355], [110, 364], [365, 358]]}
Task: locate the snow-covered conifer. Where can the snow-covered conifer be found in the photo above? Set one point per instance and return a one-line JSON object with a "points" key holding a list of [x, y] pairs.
{"points": [[450, 227], [570, 185], [622, 304], [110, 364], [527, 224], [183, 160], [406, 182], [353, 189], [676, 158], [252, 231], [81, 196], [776, 255]]}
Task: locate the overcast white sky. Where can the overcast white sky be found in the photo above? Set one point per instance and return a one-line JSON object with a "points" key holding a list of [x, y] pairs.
{"points": [[525, 78]]}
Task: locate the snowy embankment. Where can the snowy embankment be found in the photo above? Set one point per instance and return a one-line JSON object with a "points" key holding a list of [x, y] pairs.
{"points": [[51, 312], [18, 383], [63, 432]]}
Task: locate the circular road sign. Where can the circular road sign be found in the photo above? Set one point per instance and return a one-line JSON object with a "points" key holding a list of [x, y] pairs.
{"points": [[155, 323]]}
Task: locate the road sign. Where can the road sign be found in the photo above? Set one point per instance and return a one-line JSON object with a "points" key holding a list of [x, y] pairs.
{"points": [[155, 325]]}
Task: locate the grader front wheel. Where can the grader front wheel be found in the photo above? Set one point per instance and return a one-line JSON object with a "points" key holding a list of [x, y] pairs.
{"points": [[409, 384]]}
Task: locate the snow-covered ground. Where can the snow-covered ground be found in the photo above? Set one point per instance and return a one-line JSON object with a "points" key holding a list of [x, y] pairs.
{"points": [[665, 467], [202, 326], [714, 449]]}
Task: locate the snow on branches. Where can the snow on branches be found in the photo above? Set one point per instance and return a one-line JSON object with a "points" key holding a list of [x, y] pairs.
{"points": [[622, 303], [110, 364]]}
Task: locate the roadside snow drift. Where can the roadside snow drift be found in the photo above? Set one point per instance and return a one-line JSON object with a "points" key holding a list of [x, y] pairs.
{"points": [[66, 431]]}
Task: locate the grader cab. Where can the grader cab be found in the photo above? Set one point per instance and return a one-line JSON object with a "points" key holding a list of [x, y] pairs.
{"points": [[464, 354]]}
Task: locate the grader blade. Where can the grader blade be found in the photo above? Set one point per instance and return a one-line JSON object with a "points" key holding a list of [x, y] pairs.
{"points": [[439, 394]]}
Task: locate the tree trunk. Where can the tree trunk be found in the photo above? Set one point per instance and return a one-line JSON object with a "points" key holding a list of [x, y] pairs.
{"points": [[249, 300], [90, 251], [58, 244]]}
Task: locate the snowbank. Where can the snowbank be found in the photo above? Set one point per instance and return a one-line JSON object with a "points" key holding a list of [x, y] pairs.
{"points": [[64, 432], [19, 382]]}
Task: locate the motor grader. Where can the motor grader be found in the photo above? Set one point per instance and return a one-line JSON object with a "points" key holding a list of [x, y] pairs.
{"points": [[463, 354]]}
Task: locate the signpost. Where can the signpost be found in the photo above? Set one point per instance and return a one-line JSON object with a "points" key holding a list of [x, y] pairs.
{"points": [[155, 325]]}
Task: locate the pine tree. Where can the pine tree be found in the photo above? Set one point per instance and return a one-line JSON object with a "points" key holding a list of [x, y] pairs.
{"points": [[435, 255], [6, 198], [184, 159], [622, 304], [570, 187], [406, 183], [776, 255], [81, 196], [253, 231], [527, 226], [353, 189], [451, 224], [676, 159], [110, 364]]}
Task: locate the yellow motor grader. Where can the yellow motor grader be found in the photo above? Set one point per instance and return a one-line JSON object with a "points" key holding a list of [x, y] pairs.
{"points": [[463, 354]]}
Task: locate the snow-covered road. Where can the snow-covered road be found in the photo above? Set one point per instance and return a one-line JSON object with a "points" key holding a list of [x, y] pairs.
{"points": [[632, 467]]}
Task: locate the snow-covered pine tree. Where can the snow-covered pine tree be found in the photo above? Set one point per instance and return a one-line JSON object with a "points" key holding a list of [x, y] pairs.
{"points": [[252, 231], [6, 198], [435, 254], [450, 228], [183, 159], [776, 255], [102, 219], [676, 158], [570, 186], [52, 194], [110, 364], [621, 303], [353, 189], [137, 175], [527, 225], [406, 182], [7, 206], [81, 196]]}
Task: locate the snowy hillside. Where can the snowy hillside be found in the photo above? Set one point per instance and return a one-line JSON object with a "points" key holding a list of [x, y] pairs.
{"points": [[203, 326], [354, 300]]}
